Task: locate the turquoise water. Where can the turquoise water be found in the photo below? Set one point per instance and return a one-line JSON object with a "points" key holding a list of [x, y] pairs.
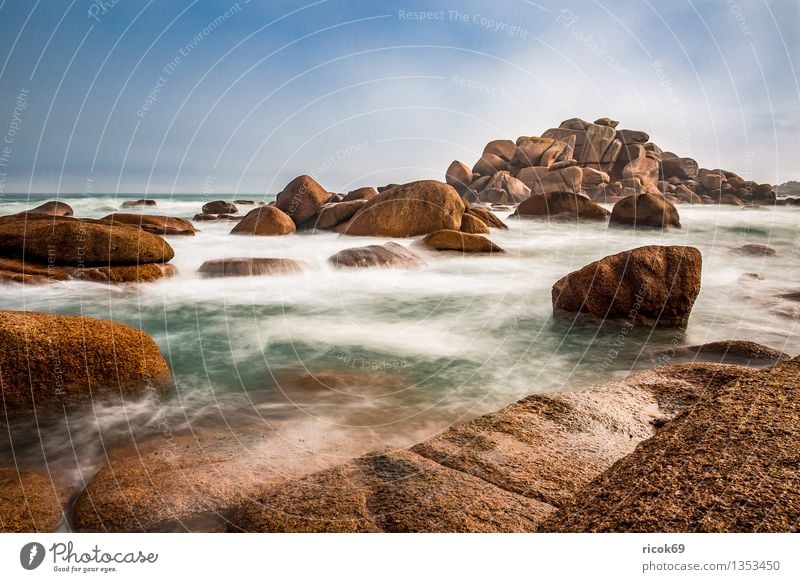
{"points": [[399, 354]]}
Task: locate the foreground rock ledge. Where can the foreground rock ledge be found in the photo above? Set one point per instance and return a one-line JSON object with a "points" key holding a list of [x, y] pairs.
{"points": [[507, 470], [30, 502]]}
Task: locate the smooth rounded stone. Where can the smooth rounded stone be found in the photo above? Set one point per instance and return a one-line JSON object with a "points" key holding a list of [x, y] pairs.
{"points": [[575, 123], [302, 198], [502, 148], [452, 240], [332, 215], [669, 156], [541, 180], [244, 202], [473, 225], [648, 210], [561, 205], [653, 286], [30, 502], [763, 192], [219, 207], [364, 193], [538, 151], [265, 221], [592, 178], [730, 199], [382, 189], [135, 203], [563, 164], [729, 464], [680, 168], [488, 164], [757, 250], [469, 195], [645, 169], [388, 255], [607, 121], [684, 194], [249, 267], [51, 361], [216, 217], [188, 483], [458, 175], [144, 273], [707, 199], [412, 209], [495, 196], [711, 180], [392, 491], [487, 217], [154, 224], [515, 189], [61, 240], [480, 183], [54, 208], [630, 136], [745, 353]]}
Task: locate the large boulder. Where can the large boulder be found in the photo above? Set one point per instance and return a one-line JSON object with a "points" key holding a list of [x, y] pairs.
{"points": [[562, 205], [451, 240], [54, 208], [681, 168], [646, 169], [502, 148], [302, 198], [51, 361], [538, 151], [408, 210], [79, 242], [488, 164], [155, 224], [219, 207], [650, 286], [486, 216], [651, 210], [473, 225], [331, 215], [30, 502], [458, 175], [364, 193], [541, 180], [265, 221], [246, 267], [388, 255]]}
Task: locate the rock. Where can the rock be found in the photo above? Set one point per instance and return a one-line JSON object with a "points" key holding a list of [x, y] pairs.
{"points": [[53, 209], [219, 207], [681, 168], [646, 210], [711, 180], [654, 286], [79, 242], [591, 178], [143, 273], [629, 136], [409, 210], [607, 121], [155, 224], [51, 361], [480, 183], [134, 204], [757, 250], [302, 198], [730, 199], [244, 202], [563, 205], [488, 164], [473, 225], [216, 217], [502, 148], [487, 217], [30, 502], [542, 181], [452, 240], [388, 492], [683, 194], [388, 255], [265, 221], [364, 193], [248, 267], [764, 193], [515, 191], [645, 169], [744, 353], [382, 189], [332, 215], [538, 151], [495, 196], [728, 464]]}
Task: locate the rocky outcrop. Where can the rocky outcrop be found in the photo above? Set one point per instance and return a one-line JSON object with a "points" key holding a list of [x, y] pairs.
{"points": [[219, 207], [542, 180], [452, 240], [645, 210], [248, 267], [53, 209], [408, 210], [30, 502], [302, 198], [265, 221], [562, 206], [388, 255], [51, 361], [155, 224], [728, 464], [649, 286]]}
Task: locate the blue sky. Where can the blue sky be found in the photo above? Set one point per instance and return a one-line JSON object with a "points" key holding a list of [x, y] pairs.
{"points": [[220, 96]]}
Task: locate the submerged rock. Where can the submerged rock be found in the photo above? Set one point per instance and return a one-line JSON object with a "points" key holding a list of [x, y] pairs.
{"points": [[453, 240], [388, 255], [651, 286], [135, 203], [650, 210], [219, 207], [757, 250], [246, 267], [745, 353], [30, 502], [561, 205]]}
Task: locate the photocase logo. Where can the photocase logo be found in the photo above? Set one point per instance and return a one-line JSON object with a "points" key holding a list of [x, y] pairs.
{"points": [[31, 555]]}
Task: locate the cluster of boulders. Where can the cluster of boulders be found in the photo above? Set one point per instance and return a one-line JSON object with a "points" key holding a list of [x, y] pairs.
{"points": [[600, 161], [47, 244]]}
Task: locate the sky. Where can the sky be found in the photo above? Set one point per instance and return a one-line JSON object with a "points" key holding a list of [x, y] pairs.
{"points": [[165, 96]]}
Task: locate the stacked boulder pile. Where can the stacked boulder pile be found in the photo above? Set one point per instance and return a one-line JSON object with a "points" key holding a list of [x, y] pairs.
{"points": [[600, 161]]}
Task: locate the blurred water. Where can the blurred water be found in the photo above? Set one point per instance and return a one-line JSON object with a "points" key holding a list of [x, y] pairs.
{"points": [[398, 354]]}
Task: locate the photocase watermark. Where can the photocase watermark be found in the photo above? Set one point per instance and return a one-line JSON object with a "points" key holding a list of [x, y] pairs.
{"points": [[183, 52], [741, 20], [7, 146], [351, 361], [569, 20], [100, 8], [477, 19], [677, 107], [340, 155], [502, 95]]}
